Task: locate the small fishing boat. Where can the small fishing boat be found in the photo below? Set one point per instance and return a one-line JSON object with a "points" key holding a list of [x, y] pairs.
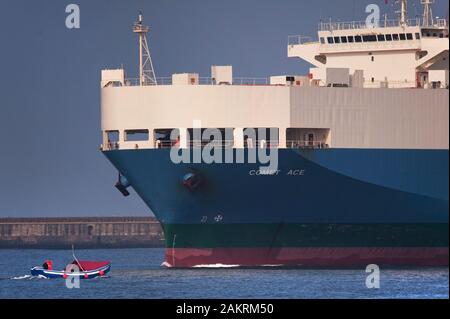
{"points": [[83, 269]]}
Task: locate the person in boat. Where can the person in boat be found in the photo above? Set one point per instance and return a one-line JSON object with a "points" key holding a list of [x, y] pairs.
{"points": [[48, 265]]}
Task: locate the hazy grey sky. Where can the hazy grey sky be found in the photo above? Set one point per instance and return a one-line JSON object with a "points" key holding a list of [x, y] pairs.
{"points": [[50, 77]]}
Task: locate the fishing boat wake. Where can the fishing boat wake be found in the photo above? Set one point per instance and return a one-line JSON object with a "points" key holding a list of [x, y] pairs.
{"points": [[29, 277]]}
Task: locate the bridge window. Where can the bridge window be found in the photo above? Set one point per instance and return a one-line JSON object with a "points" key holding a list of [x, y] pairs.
{"points": [[330, 40], [388, 37], [322, 40], [344, 39], [402, 36], [381, 38], [337, 40], [351, 39], [136, 135], [417, 36], [358, 39], [409, 36], [395, 37], [369, 38]]}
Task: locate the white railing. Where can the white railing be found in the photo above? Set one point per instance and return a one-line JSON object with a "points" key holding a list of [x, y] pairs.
{"points": [[159, 81], [302, 144], [261, 144], [248, 144], [355, 25], [214, 143], [383, 23], [441, 23], [299, 39], [251, 81], [110, 146], [202, 81], [390, 84]]}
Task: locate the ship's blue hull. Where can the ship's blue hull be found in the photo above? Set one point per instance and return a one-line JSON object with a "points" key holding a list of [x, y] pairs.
{"points": [[402, 195]]}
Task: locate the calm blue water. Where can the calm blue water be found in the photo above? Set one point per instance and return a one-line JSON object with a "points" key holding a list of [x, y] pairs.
{"points": [[136, 273]]}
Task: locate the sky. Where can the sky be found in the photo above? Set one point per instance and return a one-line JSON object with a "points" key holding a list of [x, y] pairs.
{"points": [[50, 81]]}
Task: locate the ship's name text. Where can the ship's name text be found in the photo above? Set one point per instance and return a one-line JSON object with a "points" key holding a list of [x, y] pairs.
{"points": [[263, 172]]}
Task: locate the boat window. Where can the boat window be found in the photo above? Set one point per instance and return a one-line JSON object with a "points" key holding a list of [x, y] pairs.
{"points": [[409, 36], [369, 38], [136, 135], [165, 138], [344, 39], [322, 40], [395, 37], [402, 36], [358, 39], [388, 37], [417, 36], [112, 136], [337, 40], [381, 37], [330, 40], [351, 39], [307, 138]]}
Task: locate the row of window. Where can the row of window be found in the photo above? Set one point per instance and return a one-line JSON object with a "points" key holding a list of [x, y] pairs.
{"points": [[370, 38], [251, 137], [434, 34]]}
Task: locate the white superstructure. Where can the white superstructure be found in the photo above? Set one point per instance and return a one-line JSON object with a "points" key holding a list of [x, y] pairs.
{"points": [[395, 53], [382, 87]]}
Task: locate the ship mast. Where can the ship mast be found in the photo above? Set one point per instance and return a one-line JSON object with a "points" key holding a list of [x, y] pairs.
{"points": [[146, 72], [404, 13], [427, 13]]}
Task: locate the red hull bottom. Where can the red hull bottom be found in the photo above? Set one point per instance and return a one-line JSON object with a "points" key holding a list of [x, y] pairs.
{"points": [[306, 257]]}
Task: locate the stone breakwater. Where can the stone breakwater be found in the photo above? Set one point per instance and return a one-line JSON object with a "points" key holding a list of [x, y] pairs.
{"points": [[83, 232]]}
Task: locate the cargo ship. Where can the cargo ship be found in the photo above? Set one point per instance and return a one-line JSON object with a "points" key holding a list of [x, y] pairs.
{"points": [[342, 167]]}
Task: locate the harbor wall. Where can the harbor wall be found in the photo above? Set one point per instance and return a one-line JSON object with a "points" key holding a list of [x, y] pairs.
{"points": [[90, 232]]}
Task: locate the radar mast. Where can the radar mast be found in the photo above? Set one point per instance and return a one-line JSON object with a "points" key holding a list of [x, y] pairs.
{"points": [[146, 71]]}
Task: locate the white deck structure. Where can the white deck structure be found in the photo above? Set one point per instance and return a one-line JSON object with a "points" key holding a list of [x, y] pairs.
{"points": [[395, 54], [373, 93]]}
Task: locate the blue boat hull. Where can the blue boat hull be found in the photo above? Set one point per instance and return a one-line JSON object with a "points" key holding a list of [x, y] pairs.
{"points": [[51, 274]]}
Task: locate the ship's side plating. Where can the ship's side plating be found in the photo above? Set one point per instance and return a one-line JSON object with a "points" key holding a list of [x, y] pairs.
{"points": [[361, 151], [352, 203]]}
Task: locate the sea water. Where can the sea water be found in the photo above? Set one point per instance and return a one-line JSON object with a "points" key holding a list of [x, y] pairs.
{"points": [[137, 273]]}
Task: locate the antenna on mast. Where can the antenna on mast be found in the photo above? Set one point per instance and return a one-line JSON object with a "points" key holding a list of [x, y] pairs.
{"points": [[427, 13], [146, 72], [404, 13]]}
